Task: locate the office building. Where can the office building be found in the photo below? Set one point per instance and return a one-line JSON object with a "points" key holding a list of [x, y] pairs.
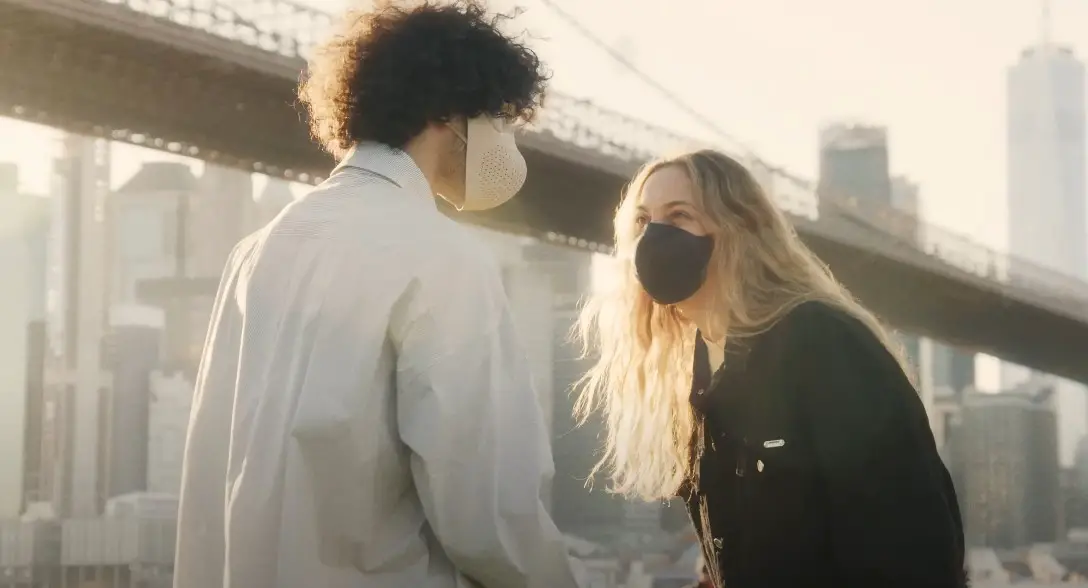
{"points": [[1047, 214], [77, 297], [905, 199], [854, 164], [946, 419], [529, 294], [1011, 477], [855, 172], [545, 283], [952, 369], [132, 355], [168, 421], [223, 211], [152, 254], [581, 507], [1046, 160], [275, 196], [23, 236]]}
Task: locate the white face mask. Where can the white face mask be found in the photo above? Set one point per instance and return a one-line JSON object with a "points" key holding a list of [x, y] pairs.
{"points": [[494, 168]]}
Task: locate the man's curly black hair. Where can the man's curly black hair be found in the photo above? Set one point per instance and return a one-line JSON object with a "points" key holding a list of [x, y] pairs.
{"points": [[394, 70]]}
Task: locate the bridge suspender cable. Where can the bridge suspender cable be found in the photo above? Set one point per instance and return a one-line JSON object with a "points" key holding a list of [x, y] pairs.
{"points": [[669, 95], [644, 77]]}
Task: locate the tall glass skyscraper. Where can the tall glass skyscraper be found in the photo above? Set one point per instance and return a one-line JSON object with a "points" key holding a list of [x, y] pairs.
{"points": [[23, 234], [854, 165], [1046, 189]]}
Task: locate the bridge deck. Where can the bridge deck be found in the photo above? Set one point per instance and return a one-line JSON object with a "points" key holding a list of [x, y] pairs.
{"points": [[102, 69]]}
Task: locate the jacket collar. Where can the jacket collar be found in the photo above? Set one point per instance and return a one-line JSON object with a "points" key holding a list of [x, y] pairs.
{"points": [[393, 164], [706, 382], [736, 352]]}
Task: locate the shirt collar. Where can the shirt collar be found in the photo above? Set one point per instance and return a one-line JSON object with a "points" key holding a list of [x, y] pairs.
{"points": [[389, 162]]}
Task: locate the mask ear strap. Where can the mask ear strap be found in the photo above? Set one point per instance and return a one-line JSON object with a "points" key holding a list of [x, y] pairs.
{"points": [[457, 132]]}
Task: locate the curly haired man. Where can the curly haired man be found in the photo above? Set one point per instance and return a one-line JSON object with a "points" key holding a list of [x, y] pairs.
{"points": [[363, 416]]}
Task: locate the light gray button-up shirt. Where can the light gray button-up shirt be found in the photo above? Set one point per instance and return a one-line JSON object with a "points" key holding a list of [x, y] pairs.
{"points": [[363, 416]]}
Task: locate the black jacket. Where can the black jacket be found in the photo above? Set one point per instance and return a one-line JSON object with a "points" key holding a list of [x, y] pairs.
{"points": [[815, 464]]}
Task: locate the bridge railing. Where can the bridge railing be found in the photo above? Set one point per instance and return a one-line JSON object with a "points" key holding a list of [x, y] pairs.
{"points": [[290, 29], [1027, 278], [588, 126], [278, 26], [581, 122]]}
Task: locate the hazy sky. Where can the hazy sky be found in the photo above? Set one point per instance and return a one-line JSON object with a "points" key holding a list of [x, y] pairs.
{"points": [[773, 71]]}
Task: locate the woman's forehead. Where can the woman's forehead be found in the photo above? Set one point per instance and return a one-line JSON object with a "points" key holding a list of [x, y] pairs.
{"points": [[665, 187]]}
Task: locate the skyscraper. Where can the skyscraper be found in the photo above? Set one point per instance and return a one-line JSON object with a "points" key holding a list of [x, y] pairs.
{"points": [[529, 293], [905, 198], [854, 166], [23, 222], [77, 313], [1010, 477], [587, 511], [167, 424], [271, 200], [152, 210], [1046, 185], [223, 212], [952, 369], [1046, 160], [134, 338], [153, 254]]}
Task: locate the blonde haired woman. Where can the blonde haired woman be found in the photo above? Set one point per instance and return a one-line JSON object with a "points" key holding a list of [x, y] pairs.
{"points": [[735, 372]]}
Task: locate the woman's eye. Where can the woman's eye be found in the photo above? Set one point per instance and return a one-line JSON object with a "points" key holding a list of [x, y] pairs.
{"points": [[641, 221]]}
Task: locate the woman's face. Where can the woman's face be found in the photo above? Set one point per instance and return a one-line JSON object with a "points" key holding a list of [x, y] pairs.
{"points": [[674, 252], [668, 197]]}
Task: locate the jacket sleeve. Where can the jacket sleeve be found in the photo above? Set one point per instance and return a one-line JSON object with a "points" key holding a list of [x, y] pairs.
{"points": [[895, 521], [466, 408]]}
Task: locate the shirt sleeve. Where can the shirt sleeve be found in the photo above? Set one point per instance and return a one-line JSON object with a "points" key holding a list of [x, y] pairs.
{"points": [[895, 521], [467, 410], [199, 549]]}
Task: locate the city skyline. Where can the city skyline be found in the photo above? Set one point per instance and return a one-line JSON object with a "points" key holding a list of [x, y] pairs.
{"points": [[842, 77], [1002, 35], [115, 284], [943, 101], [127, 158], [955, 81]]}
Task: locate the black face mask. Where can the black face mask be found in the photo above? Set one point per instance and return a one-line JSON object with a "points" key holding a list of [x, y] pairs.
{"points": [[671, 263]]}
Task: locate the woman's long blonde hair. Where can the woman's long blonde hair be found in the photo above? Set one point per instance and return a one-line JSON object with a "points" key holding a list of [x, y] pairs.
{"points": [[643, 350]]}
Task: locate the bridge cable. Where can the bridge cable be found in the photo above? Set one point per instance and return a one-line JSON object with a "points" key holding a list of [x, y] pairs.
{"points": [[777, 171], [678, 102], [671, 96], [644, 77]]}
